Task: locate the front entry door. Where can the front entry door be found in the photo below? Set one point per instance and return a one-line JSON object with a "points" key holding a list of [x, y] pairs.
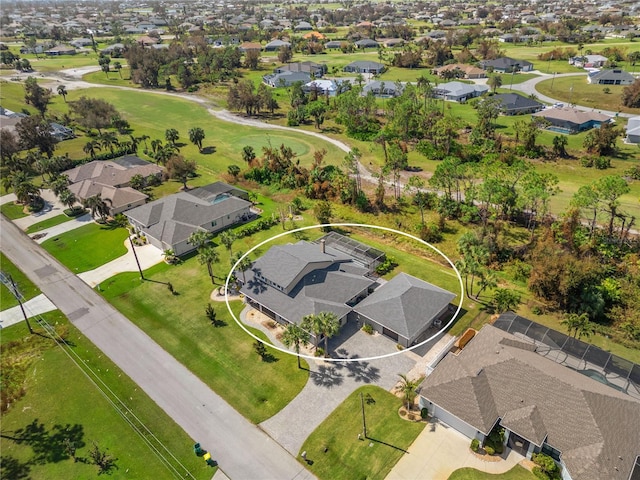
{"points": [[518, 444]]}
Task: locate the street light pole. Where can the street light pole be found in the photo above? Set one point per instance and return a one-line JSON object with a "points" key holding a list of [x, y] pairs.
{"points": [[554, 77]]}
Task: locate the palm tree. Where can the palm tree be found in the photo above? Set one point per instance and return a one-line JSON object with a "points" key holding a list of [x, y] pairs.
{"points": [[243, 264], [196, 135], [330, 328], [199, 239], [117, 66], [208, 255], [171, 135], [62, 90], [312, 324], [295, 336], [408, 388], [98, 206], [248, 154], [90, 148], [68, 198], [169, 255], [227, 238], [494, 81], [23, 188], [109, 140], [59, 184]]}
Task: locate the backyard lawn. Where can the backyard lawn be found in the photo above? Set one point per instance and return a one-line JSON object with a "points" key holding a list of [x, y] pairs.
{"points": [[61, 403], [337, 453], [88, 247], [516, 473], [25, 286]]}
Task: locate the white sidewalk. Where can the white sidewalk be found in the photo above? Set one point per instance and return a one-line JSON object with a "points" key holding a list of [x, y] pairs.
{"points": [[36, 306]]}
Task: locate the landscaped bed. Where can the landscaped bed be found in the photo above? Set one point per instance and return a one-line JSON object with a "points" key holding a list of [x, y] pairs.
{"points": [[516, 473]]}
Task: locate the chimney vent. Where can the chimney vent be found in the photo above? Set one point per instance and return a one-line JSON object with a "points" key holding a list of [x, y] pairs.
{"points": [[322, 245]]}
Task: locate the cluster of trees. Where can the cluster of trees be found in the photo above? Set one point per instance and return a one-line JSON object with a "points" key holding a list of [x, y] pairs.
{"points": [[631, 95]]}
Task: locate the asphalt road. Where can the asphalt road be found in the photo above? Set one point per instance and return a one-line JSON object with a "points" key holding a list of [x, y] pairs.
{"points": [[242, 450]]}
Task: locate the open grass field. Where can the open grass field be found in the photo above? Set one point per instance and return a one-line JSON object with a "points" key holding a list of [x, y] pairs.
{"points": [[576, 90], [113, 79], [87, 247], [60, 402], [51, 222], [516, 473], [337, 453], [223, 357], [25, 286]]}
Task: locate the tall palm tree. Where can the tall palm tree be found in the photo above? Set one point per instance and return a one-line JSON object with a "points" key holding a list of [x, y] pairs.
{"points": [[97, 206], [109, 140], [330, 327], [171, 135], [59, 184], [196, 136], [208, 255], [117, 66], [24, 188], [199, 239], [67, 198], [312, 324], [295, 336], [90, 148], [227, 238], [408, 388], [243, 264], [62, 90]]}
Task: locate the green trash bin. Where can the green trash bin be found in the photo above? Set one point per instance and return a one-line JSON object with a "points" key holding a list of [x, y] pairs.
{"points": [[198, 450]]}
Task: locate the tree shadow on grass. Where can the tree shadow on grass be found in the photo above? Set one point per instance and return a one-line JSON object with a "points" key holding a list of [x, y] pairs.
{"points": [[208, 150], [13, 468], [49, 446]]}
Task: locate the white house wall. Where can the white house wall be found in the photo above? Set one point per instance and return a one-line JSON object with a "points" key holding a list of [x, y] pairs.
{"points": [[451, 420]]}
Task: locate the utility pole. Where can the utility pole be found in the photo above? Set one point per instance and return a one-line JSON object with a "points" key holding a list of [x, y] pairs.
{"points": [[364, 421], [7, 279], [136, 257], [554, 77]]}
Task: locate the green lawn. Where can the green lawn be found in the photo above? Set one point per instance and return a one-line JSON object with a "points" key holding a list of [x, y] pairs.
{"points": [[50, 222], [223, 357], [337, 453], [576, 90], [25, 286], [61, 402], [122, 79], [13, 210], [87, 247], [516, 473]]}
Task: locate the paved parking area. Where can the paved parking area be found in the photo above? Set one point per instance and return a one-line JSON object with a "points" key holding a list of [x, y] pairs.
{"points": [[440, 450]]}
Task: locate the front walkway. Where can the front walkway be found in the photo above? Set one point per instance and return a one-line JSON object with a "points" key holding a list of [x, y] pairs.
{"points": [[439, 450]]}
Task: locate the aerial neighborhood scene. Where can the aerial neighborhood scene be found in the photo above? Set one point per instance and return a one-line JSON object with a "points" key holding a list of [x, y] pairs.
{"points": [[320, 239]]}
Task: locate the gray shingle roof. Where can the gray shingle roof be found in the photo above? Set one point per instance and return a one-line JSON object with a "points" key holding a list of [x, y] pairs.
{"points": [[591, 424], [405, 304]]}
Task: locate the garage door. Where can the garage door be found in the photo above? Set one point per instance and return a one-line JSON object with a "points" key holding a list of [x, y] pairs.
{"points": [[454, 422], [390, 333]]}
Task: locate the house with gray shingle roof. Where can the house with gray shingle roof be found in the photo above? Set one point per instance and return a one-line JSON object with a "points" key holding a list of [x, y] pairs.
{"points": [[365, 66], [614, 76], [591, 429], [291, 281], [168, 222]]}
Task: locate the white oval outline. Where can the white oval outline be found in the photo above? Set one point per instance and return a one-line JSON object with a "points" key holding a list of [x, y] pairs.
{"points": [[345, 360]]}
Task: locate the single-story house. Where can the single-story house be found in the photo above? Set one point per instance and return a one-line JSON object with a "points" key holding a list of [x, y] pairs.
{"points": [[458, 91], [314, 36], [303, 26], [336, 274], [506, 65], [392, 42], [146, 40], [333, 44], [110, 179], [383, 89], [404, 308], [588, 61], [81, 42], [322, 87], [500, 380], [275, 45], [246, 46], [572, 120], [468, 71], [312, 68], [633, 130], [610, 77], [286, 79], [168, 222], [365, 66], [60, 50], [366, 43], [515, 104], [113, 49]]}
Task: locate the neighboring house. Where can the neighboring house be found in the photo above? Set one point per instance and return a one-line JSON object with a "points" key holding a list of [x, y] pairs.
{"points": [[458, 91], [365, 66], [168, 222], [610, 77], [303, 26], [506, 65], [146, 40], [468, 71], [60, 50], [502, 380], [110, 179], [115, 48], [392, 42], [588, 61], [334, 44], [315, 69], [246, 46], [633, 130], [514, 104], [571, 120], [383, 89], [322, 87], [404, 308], [314, 36], [275, 45], [366, 43], [9, 119], [286, 79], [81, 42], [336, 274]]}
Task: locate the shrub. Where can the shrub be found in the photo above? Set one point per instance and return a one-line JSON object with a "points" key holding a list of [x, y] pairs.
{"points": [[537, 471], [319, 352], [387, 266], [489, 450], [475, 445], [366, 328], [424, 413]]}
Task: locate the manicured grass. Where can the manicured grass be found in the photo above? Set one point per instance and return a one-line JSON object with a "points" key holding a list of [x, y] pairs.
{"points": [[124, 79], [516, 473], [223, 357], [87, 247], [55, 64], [61, 402], [25, 286], [12, 210], [50, 222], [348, 458], [576, 90]]}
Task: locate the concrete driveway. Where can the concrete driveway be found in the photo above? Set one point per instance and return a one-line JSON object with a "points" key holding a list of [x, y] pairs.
{"points": [[440, 450]]}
